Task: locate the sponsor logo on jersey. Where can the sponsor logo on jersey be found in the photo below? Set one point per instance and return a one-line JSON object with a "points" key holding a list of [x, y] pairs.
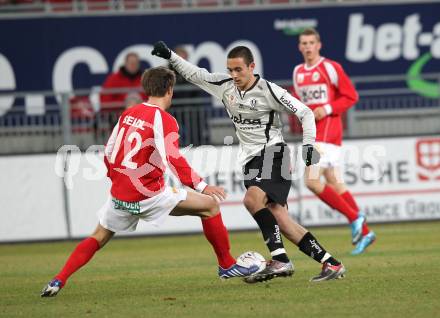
{"points": [[251, 106], [245, 121], [315, 76], [253, 103], [288, 104], [313, 94], [300, 78]]}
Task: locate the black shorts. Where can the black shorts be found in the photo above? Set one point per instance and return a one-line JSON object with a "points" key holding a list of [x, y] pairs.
{"points": [[271, 172]]}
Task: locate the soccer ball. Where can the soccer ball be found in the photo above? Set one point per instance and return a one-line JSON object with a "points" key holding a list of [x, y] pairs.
{"points": [[247, 259]]}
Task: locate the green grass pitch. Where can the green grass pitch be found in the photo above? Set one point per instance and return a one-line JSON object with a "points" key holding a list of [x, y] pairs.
{"points": [[176, 276]]}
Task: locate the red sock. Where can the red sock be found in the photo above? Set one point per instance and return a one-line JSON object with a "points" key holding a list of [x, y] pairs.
{"points": [[350, 200], [83, 252], [335, 201], [216, 233]]}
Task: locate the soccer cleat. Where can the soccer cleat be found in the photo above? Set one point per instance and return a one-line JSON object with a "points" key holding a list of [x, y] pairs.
{"points": [[329, 272], [356, 228], [52, 288], [236, 271], [366, 241], [273, 269]]}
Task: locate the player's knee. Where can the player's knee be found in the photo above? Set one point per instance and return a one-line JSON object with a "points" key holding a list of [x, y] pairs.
{"points": [[247, 201], [213, 207], [102, 235], [101, 239], [313, 185], [251, 203]]}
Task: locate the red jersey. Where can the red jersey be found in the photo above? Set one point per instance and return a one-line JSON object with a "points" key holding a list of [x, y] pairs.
{"points": [[325, 84], [124, 81], [143, 143]]}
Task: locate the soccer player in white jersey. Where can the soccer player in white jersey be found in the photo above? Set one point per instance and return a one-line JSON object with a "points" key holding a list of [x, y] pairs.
{"points": [[143, 143], [254, 105], [322, 85]]}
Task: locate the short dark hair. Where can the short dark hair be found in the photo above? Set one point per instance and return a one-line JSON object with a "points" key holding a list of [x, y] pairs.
{"points": [[157, 81], [310, 31], [243, 52]]}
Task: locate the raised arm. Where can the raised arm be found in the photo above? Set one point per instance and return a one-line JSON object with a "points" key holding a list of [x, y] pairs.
{"points": [[209, 82]]}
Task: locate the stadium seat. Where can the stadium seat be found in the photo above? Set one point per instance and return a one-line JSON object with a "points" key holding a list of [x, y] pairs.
{"points": [[130, 4], [207, 3], [61, 5], [170, 4], [278, 1], [246, 2], [82, 114], [97, 5]]}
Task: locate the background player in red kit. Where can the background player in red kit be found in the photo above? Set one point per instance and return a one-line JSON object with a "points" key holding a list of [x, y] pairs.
{"points": [[322, 85], [143, 143]]}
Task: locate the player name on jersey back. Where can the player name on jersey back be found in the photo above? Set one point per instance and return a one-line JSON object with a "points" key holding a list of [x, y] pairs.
{"points": [[135, 122]]}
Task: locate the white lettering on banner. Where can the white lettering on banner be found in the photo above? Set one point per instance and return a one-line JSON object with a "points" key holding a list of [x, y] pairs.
{"points": [[64, 66], [62, 80], [143, 50], [69, 59], [7, 82], [389, 41]]}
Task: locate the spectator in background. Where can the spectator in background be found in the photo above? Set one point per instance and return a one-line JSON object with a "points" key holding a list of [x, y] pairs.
{"points": [[120, 90], [323, 85], [129, 78], [192, 132]]}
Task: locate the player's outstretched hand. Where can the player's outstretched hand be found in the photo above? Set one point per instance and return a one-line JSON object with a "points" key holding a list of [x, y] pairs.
{"points": [[310, 155], [161, 49], [216, 192]]}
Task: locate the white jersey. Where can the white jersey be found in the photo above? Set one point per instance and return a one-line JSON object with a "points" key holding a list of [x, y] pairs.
{"points": [[254, 112]]}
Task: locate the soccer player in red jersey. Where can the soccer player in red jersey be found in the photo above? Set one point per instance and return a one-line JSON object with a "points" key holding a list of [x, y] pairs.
{"points": [[143, 143], [323, 86]]}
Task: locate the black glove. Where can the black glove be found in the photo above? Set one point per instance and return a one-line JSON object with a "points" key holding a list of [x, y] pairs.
{"points": [[161, 49], [310, 155]]}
